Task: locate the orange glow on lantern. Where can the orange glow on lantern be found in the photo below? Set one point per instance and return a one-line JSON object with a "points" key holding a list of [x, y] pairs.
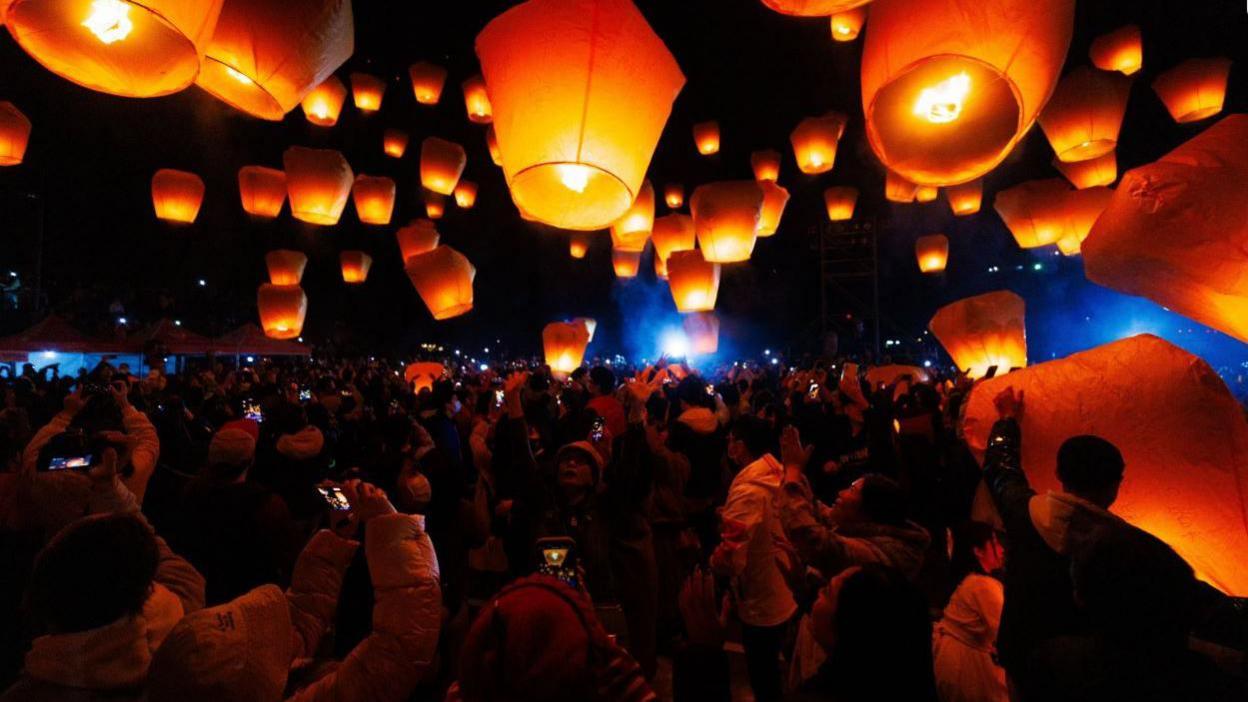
{"points": [[435, 205], [702, 331], [926, 193], [672, 233], [775, 198], [694, 281], [1081, 209], [766, 165], [491, 142], [840, 201], [1121, 50], [318, 182], [442, 162], [706, 137], [812, 8], [466, 194], [1083, 117], [14, 134], [323, 105], [263, 190], [427, 81], [626, 264], [355, 265], [674, 195], [1195, 89], [394, 143], [815, 140], [367, 91], [898, 189], [443, 279], [1032, 211], [418, 237], [631, 231], [983, 331], [282, 310], [422, 375], [564, 344], [965, 199], [374, 198], [177, 195], [1102, 170], [578, 244], [285, 266], [726, 216], [932, 252], [477, 101], [848, 24]]}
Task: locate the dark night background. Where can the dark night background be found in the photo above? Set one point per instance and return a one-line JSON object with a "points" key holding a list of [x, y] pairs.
{"points": [[91, 158]]}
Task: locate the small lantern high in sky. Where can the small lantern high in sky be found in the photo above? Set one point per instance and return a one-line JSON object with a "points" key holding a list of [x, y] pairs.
{"points": [[932, 252], [367, 91], [564, 344], [177, 195], [435, 205], [442, 162], [1084, 115], [419, 236], [285, 266], [626, 264], [846, 25], [466, 194], [427, 81], [775, 198], [263, 190], [323, 104], [672, 233], [926, 193], [1195, 89], [631, 231], [1102, 170], [840, 201], [374, 198], [815, 140], [706, 137], [1120, 50], [578, 244], [282, 310], [394, 143], [983, 331], [694, 281], [898, 189], [443, 279], [702, 331], [355, 266], [726, 216], [674, 195], [318, 182], [14, 134], [965, 199], [766, 165], [477, 101]]}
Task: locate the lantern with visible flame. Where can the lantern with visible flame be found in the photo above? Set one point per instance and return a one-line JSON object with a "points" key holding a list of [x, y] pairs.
{"points": [[1121, 50], [965, 199], [766, 165], [394, 143], [1032, 211], [847, 25], [427, 81], [177, 195], [578, 244], [626, 264], [1102, 170], [14, 134], [814, 142], [898, 189], [932, 251], [323, 105], [418, 237], [491, 143], [631, 231], [374, 198], [355, 265], [318, 182], [1194, 89], [285, 266], [421, 376], [443, 278], [812, 8], [706, 137], [367, 91], [674, 195], [477, 101], [949, 89], [466, 194], [694, 281], [263, 190], [672, 233], [441, 164], [840, 201], [282, 310], [702, 331], [775, 198], [983, 331], [725, 216], [435, 205], [1084, 115], [564, 344]]}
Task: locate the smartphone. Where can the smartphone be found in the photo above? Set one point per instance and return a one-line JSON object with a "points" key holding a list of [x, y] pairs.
{"points": [[557, 558], [813, 392], [498, 398], [82, 462], [334, 497], [252, 411], [597, 429], [991, 372]]}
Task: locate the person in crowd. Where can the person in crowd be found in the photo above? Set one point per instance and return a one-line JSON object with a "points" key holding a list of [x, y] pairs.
{"points": [[964, 641], [601, 385]]}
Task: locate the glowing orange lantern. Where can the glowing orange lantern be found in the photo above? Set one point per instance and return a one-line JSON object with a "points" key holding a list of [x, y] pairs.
{"points": [[578, 244], [282, 310], [394, 142], [477, 101], [1121, 50], [947, 91], [631, 231], [674, 195], [441, 164], [374, 198], [422, 376], [814, 142], [14, 134], [840, 201], [416, 238], [177, 195], [966, 198], [120, 47], [443, 279], [564, 344], [569, 159], [775, 198], [898, 189], [435, 206], [1084, 115], [694, 281], [706, 137], [983, 331], [323, 105], [726, 216], [926, 193], [427, 81], [1032, 211], [367, 91], [491, 142], [591, 325], [1080, 211], [318, 182], [1194, 89], [672, 233], [766, 165], [702, 331], [847, 25], [626, 264], [285, 266], [263, 190], [1184, 480], [812, 8], [932, 251], [466, 194], [355, 265], [1102, 170]]}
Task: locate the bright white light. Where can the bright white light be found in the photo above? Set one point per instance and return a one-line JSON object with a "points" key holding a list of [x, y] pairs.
{"points": [[121, 320], [239, 76], [775, 361], [202, 282], [766, 352], [927, 364], [674, 343], [49, 354], [487, 349], [1038, 266], [484, 367], [942, 102], [177, 322], [573, 176], [300, 339], [109, 20], [251, 359]]}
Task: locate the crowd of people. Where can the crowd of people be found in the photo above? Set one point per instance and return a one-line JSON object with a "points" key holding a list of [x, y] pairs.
{"points": [[601, 536]]}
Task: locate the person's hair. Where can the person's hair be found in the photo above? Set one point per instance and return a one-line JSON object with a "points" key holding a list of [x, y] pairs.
{"points": [[967, 537], [1088, 464], [883, 500], [95, 571], [692, 391], [602, 378], [754, 432]]}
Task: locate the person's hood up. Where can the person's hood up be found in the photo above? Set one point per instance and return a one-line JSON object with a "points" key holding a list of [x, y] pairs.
{"points": [[700, 419], [1064, 521], [303, 444]]}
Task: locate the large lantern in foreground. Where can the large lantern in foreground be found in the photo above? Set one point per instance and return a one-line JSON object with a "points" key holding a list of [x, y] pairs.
{"points": [[427, 81], [706, 137], [374, 198], [631, 231], [726, 216], [265, 56], [14, 134], [932, 252], [840, 201], [355, 265], [674, 195], [466, 194], [693, 280], [1181, 433], [367, 90], [1175, 230], [1194, 89], [766, 165], [394, 143], [1032, 211], [442, 162], [1084, 114], [477, 101], [812, 8], [318, 182], [177, 195], [564, 344], [323, 104], [815, 140], [846, 25], [285, 266], [965, 199], [443, 279], [948, 87], [1121, 50], [282, 310], [263, 190], [983, 331], [672, 233], [418, 237], [775, 198], [1102, 170], [626, 264], [702, 331], [132, 49]]}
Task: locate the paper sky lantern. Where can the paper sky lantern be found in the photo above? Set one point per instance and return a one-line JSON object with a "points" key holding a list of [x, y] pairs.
{"points": [[416, 238], [672, 233], [435, 206], [355, 265], [263, 190], [702, 331], [1194, 89], [626, 264], [569, 158], [427, 81], [177, 195], [814, 142], [932, 252], [706, 137], [1121, 50], [631, 231], [1084, 115], [367, 91], [590, 324], [726, 216], [491, 142], [323, 105], [124, 48], [812, 8], [443, 279], [422, 375], [840, 201], [318, 182], [1182, 436], [14, 134], [285, 266], [674, 195], [466, 194], [374, 198], [898, 189], [564, 344], [775, 198], [966, 198], [578, 244], [884, 376], [441, 164], [1032, 211], [694, 281], [926, 193], [282, 310], [1102, 170], [477, 101], [983, 331], [846, 25], [1080, 210], [1176, 230], [948, 87], [394, 143], [766, 165]]}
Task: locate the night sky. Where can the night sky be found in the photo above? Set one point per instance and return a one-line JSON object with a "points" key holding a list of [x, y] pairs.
{"points": [[758, 73]]}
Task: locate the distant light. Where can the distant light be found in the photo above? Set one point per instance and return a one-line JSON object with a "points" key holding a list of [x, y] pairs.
{"points": [[177, 322], [775, 361], [251, 359], [766, 352], [456, 352], [674, 343], [202, 282], [1038, 267], [300, 339], [484, 367], [49, 354], [927, 364], [486, 350], [12, 274], [121, 320]]}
